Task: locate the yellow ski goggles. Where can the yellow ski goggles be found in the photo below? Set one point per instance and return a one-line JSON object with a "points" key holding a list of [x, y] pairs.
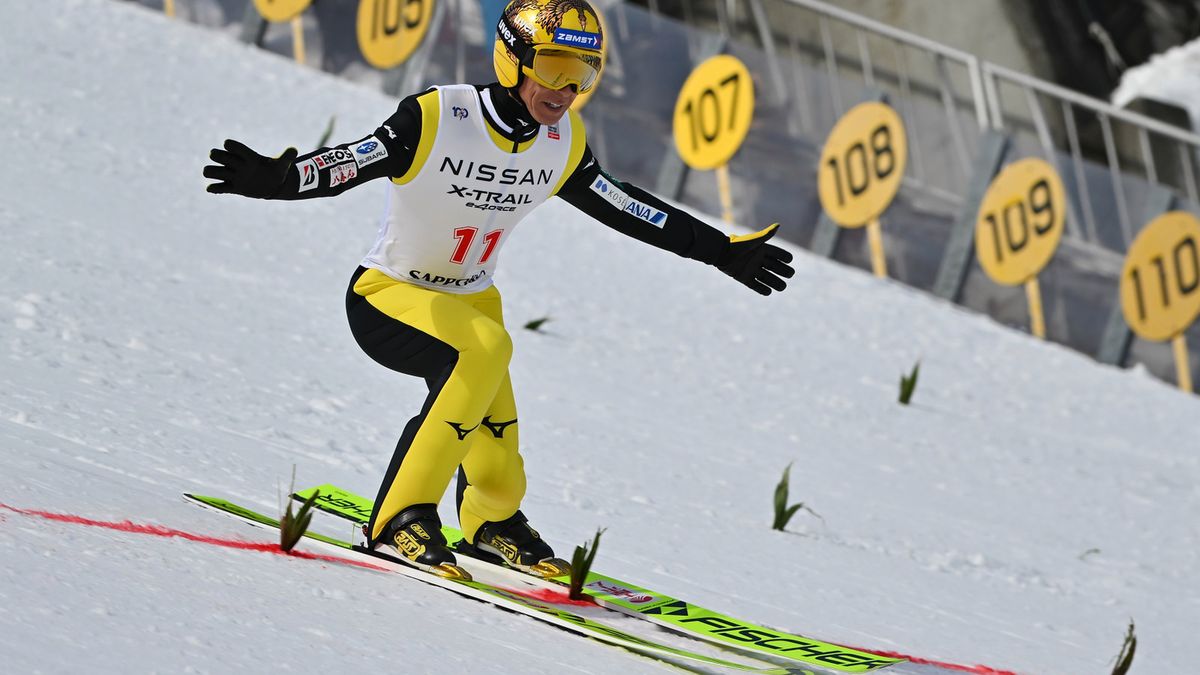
{"points": [[554, 68]]}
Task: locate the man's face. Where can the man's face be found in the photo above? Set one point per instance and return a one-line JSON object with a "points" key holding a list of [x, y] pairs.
{"points": [[547, 106]]}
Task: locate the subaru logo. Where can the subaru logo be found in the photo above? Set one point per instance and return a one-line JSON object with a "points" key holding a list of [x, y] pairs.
{"points": [[367, 148]]}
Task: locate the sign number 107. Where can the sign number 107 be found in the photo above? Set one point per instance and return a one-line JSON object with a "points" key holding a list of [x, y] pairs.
{"points": [[704, 114]]}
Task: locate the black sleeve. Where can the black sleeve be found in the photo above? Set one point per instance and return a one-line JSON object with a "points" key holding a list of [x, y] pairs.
{"points": [[331, 171], [634, 212]]}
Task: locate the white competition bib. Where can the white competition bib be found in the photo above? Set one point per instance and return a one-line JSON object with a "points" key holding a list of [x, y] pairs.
{"points": [[446, 224]]}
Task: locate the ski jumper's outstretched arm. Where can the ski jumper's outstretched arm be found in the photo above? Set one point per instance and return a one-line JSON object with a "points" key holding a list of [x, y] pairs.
{"points": [[636, 213], [324, 172], [389, 152]]}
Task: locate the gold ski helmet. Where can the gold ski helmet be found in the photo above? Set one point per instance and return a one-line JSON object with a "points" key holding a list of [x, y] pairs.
{"points": [[554, 42]]}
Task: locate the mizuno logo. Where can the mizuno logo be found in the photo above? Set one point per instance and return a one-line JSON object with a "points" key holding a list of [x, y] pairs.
{"points": [[497, 428], [462, 433]]}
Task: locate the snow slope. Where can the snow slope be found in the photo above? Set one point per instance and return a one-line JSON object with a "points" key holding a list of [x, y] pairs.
{"points": [[155, 339]]}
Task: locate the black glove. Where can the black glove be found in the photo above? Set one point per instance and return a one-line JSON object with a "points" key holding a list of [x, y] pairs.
{"points": [[757, 264], [242, 171]]}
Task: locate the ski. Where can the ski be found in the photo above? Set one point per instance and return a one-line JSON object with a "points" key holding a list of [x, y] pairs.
{"points": [[658, 608], [546, 611]]}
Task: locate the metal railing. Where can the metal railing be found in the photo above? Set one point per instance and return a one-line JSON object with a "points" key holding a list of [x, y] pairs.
{"points": [[1120, 168], [1117, 164], [1183, 147], [936, 88], [1156, 153]]}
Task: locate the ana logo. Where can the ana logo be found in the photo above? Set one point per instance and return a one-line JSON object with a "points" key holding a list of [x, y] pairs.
{"points": [[459, 113], [576, 38], [647, 213]]}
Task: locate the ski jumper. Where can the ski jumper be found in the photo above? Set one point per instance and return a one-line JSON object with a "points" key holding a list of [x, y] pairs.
{"points": [[431, 269], [466, 164]]}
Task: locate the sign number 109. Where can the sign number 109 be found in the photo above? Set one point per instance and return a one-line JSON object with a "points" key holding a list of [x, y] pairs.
{"points": [[1021, 221]]}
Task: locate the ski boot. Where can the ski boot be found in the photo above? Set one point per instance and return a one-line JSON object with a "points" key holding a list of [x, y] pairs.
{"points": [[518, 545], [415, 537]]}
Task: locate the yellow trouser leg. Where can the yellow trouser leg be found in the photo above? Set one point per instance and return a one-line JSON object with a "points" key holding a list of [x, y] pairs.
{"points": [[466, 323], [494, 467]]}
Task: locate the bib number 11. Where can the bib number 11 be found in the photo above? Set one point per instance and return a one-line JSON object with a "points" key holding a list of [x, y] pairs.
{"points": [[466, 237]]}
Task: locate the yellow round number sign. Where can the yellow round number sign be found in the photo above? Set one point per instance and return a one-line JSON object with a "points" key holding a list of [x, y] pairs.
{"points": [[389, 31], [1020, 221], [281, 10], [862, 164], [713, 112], [1160, 283]]}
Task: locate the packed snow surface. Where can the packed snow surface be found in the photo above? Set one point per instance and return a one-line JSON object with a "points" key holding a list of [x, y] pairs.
{"points": [[156, 339]]}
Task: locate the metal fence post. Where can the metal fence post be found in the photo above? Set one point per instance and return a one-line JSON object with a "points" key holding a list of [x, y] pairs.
{"points": [[825, 237], [767, 38], [960, 248], [254, 26], [673, 172]]}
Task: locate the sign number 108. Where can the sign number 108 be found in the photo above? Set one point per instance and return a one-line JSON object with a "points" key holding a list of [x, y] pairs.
{"points": [[853, 171]]}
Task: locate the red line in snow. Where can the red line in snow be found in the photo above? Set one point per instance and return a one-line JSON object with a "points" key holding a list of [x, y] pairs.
{"points": [[160, 531], [552, 596], [979, 670], [548, 595]]}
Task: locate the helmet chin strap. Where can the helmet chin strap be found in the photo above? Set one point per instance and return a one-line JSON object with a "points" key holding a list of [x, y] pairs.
{"points": [[513, 109]]}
